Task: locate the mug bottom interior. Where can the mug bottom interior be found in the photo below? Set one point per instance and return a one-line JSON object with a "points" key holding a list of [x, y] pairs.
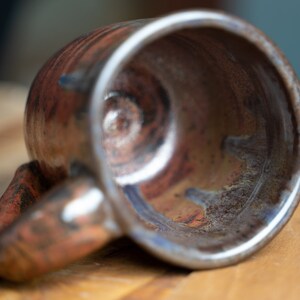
{"points": [[200, 134]]}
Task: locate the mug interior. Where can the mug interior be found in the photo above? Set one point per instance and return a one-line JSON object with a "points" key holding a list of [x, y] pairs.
{"points": [[199, 131]]}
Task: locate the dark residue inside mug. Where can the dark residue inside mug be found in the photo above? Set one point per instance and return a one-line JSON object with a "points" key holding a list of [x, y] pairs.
{"points": [[209, 140]]}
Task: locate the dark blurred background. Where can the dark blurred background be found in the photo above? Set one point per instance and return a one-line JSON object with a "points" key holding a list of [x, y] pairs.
{"points": [[32, 30]]}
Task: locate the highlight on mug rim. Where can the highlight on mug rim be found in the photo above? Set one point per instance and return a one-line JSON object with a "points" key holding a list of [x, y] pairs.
{"points": [[153, 241]]}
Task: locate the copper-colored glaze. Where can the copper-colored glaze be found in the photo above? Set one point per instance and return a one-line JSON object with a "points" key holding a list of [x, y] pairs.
{"points": [[25, 189], [50, 235], [193, 141]]}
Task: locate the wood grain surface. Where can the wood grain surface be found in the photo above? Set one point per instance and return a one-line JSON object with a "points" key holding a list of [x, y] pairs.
{"points": [[124, 271]]}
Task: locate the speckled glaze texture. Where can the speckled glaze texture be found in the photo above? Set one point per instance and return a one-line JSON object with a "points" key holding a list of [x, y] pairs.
{"points": [[181, 132], [26, 188]]}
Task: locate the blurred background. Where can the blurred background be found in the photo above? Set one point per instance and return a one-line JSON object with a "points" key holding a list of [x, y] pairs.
{"points": [[32, 30]]}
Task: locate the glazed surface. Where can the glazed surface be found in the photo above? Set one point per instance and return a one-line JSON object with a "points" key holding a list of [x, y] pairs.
{"points": [[201, 138]]}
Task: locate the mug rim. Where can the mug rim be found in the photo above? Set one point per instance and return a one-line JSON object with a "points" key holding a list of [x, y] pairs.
{"points": [[155, 29]]}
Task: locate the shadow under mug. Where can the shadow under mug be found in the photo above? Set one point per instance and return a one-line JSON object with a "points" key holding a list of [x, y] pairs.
{"points": [[180, 132]]}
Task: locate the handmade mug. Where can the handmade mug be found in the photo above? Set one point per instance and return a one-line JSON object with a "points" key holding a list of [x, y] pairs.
{"points": [[180, 132]]}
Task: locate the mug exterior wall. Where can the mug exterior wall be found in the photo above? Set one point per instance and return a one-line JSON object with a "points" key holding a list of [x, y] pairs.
{"points": [[57, 132]]}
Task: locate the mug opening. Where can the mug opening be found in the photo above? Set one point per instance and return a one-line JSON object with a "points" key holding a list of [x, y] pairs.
{"points": [[200, 134]]}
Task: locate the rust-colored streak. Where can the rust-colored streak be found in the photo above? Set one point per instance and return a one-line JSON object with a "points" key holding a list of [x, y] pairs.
{"points": [[43, 240], [24, 190]]}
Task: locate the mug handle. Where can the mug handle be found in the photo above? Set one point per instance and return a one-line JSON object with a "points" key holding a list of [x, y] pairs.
{"points": [[67, 223]]}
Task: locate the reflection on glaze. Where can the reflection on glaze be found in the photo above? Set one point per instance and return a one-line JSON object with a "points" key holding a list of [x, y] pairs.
{"points": [[203, 134]]}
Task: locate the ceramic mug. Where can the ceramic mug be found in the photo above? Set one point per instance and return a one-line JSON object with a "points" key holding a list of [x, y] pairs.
{"points": [[180, 132]]}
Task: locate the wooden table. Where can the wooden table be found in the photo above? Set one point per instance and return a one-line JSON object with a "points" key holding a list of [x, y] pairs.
{"points": [[124, 271]]}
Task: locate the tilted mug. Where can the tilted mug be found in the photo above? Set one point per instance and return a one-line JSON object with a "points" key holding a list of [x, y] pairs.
{"points": [[180, 132]]}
